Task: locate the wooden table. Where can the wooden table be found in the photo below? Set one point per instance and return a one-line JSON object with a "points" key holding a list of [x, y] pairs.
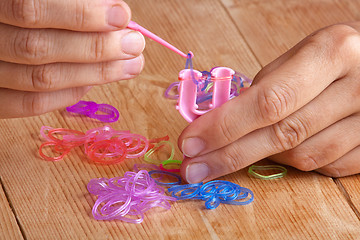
{"points": [[49, 200]]}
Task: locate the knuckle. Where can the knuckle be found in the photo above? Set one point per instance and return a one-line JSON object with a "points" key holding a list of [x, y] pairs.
{"points": [[274, 102], [333, 40], [31, 46], [227, 127], [289, 133], [103, 70], [26, 11], [80, 12], [231, 160], [43, 77], [33, 104], [98, 47]]}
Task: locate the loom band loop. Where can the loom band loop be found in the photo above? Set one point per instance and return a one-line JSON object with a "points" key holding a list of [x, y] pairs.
{"points": [[142, 147], [233, 91], [83, 107], [207, 79], [111, 114], [98, 186], [212, 202], [168, 90], [187, 191], [137, 167], [157, 140], [63, 132], [155, 148], [168, 169], [170, 162], [131, 185], [242, 78], [47, 158], [107, 151], [220, 189], [43, 133], [107, 210], [204, 98], [165, 173], [254, 168], [237, 200]]}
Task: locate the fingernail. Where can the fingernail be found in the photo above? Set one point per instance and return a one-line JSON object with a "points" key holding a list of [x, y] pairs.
{"points": [[133, 66], [118, 16], [133, 43], [196, 172], [192, 146]]}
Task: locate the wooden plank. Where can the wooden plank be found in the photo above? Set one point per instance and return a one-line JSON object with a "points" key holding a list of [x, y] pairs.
{"points": [[51, 199], [350, 187], [280, 25], [272, 27], [9, 228]]}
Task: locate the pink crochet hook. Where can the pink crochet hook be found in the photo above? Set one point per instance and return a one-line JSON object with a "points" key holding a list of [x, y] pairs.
{"points": [[134, 26]]}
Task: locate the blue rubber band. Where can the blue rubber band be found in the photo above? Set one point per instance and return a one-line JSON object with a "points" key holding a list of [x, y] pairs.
{"points": [[213, 193], [166, 173]]}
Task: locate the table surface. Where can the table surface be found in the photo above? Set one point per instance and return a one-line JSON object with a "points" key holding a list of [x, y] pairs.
{"points": [[49, 200]]}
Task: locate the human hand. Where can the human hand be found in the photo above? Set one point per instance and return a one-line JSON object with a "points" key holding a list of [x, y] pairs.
{"points": [[302, 110], [53, 50]]}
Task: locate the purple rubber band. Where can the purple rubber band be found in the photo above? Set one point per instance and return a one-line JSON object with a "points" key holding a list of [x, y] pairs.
{"points": [[94, 110]]}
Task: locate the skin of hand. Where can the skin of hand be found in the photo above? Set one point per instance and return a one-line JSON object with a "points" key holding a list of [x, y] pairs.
{"points": [[302, 110], [53, 51]]}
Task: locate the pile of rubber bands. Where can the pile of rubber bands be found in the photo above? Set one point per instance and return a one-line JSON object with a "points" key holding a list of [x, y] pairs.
{"points": [[131, 195], [214, 193], [102, 112], [239, 83], [102, 145]]}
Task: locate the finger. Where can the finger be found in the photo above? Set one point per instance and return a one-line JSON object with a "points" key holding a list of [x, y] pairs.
{"points": [[347, 165], [22, 104], [58, 76], [323, 111], [277, 95], [325, 147], [41, 46], [80, 15]]}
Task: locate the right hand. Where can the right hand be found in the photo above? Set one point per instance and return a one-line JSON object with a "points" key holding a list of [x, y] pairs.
{"points": [[51, 51]]}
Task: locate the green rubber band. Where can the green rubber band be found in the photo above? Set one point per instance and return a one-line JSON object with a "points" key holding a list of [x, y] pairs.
{"points": [[156, 147], [171, 161], [208, 87], [253, 168]]}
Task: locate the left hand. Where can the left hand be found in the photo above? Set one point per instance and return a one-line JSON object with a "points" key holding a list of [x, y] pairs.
{"points": [[302, 110]]}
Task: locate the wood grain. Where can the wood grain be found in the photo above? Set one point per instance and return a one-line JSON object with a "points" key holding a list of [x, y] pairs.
{"points": [[9, 228], [51, 199]]}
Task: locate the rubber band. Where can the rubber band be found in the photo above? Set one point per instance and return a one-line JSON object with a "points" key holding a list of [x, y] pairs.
{"points": [[127, 198], [101, 145], [137, 167], [94, 110], [254, 168], [168, 174], [47, 158], [167, 92], [214, 193], [156, 147]]}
